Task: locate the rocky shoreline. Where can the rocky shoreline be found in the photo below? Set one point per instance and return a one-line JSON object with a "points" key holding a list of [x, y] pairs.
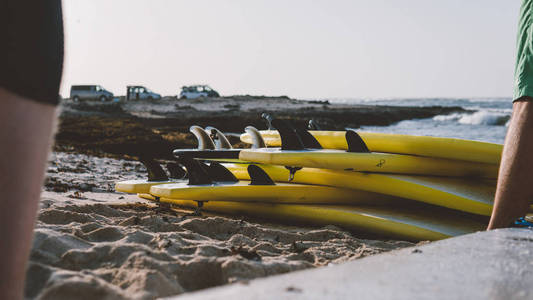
{"points": [[126, 129]]}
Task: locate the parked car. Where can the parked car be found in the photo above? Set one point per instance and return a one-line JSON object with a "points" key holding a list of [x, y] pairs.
{"points": [[137, 92], [197, 91], [89, 92]]}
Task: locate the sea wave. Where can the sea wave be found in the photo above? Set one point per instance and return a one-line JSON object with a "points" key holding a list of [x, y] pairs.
{"points": [[477, 118], [467, 103]]}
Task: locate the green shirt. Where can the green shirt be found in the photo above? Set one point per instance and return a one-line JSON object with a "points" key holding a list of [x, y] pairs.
{"points": [[523, 83]]}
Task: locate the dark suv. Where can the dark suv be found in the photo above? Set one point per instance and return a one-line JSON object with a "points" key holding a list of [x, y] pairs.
{"points": [[90, 92]]}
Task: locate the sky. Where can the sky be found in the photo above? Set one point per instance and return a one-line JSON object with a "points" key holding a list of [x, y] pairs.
{"points": [[303, 49]]}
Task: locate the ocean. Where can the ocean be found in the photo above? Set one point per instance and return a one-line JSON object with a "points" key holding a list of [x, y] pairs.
{"points": [[487, 119]]}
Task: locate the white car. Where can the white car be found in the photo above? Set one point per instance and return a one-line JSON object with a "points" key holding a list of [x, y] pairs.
{"points": [[197, 91]]}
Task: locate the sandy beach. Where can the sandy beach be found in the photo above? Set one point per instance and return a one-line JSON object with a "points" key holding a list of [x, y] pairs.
{"points": [[91, 242]]}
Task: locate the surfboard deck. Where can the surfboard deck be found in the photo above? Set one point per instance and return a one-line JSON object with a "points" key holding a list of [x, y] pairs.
{"points": [[370, 162], [409, 223], [449, 148]]}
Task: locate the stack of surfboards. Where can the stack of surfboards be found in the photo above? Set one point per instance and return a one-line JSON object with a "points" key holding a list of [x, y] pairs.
{"points": [[399, 186]]}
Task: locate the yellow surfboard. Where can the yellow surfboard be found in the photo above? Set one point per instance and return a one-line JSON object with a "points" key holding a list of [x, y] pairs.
{"points": [[242, 191], [449, 148], [456, 193], [413, 223], [370, 162]]}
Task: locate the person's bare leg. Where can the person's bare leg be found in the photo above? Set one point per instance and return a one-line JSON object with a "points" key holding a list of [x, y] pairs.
{"points": [[25, 137], [515, 187]]}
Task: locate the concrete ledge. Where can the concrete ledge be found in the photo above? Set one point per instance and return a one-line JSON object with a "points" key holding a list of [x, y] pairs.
{"points": [[494, 265]]}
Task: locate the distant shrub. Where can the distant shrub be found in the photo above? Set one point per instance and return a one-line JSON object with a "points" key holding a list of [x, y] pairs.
{"points": [[106, 107], [184, 107], [232, 106]]}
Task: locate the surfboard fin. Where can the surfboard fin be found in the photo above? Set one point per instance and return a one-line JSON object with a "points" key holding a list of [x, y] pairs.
{"points": [[196, 171], [176, 171], [155, 171], [204, 141], [221, 142], [258, 176], [355, 142], [309, 141], [313, 125], [293, 138], [268, 119], [200, 173], [257, 138], [218, 172], [290, 140], [292, 171]]}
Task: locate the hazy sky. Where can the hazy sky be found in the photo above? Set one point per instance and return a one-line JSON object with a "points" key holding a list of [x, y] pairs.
{"points": [[303, 49]]}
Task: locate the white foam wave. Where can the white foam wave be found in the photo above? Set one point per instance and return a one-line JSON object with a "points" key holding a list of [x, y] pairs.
{"points": [[450, 117], [477, 118]]}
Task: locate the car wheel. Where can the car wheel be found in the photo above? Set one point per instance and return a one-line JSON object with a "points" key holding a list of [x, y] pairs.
{"points": [[150, 98], [183, 97], [103, 98], [76, 99]]}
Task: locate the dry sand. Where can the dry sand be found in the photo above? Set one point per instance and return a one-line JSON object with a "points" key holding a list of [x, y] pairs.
{"points": [[93, 243]]}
